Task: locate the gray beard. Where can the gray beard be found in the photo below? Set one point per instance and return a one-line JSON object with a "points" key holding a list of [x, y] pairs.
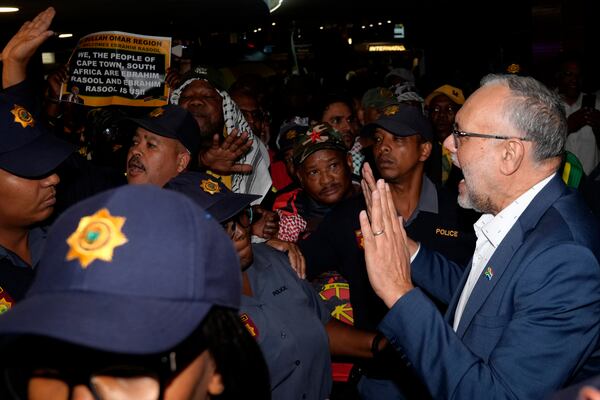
{"points": [[481, 204]]}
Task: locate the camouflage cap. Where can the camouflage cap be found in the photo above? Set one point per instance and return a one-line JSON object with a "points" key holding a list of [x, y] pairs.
{"points": [[319, 137], [379, 98]]}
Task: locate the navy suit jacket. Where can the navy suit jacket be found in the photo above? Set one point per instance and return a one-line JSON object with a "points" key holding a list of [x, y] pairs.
{"points": [[529, 328]]}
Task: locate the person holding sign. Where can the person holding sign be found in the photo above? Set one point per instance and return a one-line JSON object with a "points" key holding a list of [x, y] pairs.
{"points": [[166, 140]]}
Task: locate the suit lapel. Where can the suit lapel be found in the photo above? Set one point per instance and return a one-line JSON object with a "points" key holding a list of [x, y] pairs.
{"points": [[501, 258], [492, 273]]}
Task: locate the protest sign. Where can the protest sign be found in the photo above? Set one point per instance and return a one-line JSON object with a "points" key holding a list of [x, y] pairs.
{"points": [[118, 68]]}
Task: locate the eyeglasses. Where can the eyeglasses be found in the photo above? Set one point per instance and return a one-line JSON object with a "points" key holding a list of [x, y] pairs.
{"points": [[244, 219], [456, 134]]}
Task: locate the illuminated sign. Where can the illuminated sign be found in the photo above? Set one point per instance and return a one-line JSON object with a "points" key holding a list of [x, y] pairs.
{"points": [[399, 31], [387, 47]]}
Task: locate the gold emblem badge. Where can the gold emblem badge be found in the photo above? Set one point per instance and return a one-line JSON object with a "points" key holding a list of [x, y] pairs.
{"points": [[291, 134], [157, 112], [209, 186], [22, 116], [513, 69], [391, 110], [96, 238]]}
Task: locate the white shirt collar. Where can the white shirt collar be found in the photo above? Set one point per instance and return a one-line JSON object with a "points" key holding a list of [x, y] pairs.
{"points": [[495, 228]]}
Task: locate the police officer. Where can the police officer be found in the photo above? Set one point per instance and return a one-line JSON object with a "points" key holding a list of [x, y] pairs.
{"points": [[402, 144], [283, 313], [120, 309], [28, 158]]}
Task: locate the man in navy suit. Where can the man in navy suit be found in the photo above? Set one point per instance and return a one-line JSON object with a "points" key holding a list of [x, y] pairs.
{"points": [[524, 317]]}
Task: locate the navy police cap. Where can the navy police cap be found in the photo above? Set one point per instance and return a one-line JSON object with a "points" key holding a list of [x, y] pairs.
{"points": [[405, 121], [211, 194], [172, 122], [26, 148], [132, 270]]}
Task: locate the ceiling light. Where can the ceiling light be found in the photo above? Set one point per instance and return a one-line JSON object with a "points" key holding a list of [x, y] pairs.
{"points": [[65, 35], [8, 9], [274, 4]]}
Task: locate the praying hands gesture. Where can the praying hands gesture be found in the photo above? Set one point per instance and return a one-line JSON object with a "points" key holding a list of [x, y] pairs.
{"points": [[387, 248], [23, 45]]}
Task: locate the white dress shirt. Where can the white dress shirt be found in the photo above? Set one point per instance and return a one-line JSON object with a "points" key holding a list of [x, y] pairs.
{"points": [[582, 143], [490, 231]]}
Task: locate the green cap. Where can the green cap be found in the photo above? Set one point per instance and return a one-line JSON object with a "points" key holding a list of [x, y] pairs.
{"points": [[379, 98]]}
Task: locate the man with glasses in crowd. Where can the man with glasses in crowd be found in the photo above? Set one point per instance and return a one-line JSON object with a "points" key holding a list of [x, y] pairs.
{"points": [[524, 317]]}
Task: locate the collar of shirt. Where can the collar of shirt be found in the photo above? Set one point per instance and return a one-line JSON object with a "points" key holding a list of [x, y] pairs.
{"points": [[495, 228], [571, 108], [36, 240], [428, 200]]}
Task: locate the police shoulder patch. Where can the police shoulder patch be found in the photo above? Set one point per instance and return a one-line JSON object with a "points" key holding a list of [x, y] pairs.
{"points": [[249, 324]]}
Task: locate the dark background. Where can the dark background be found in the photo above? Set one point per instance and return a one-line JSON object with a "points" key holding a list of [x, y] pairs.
{"points": [[457, 41]]}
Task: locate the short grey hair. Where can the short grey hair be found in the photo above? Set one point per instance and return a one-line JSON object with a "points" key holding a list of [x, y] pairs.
{"points": [[536, 111]]}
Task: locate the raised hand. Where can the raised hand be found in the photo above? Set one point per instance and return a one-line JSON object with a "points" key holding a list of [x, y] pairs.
{"points": [[368, 185], [21, 47], [221, 157]]}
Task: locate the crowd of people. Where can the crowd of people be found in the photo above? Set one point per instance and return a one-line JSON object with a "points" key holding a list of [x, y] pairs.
{"points": [[386, 245]]}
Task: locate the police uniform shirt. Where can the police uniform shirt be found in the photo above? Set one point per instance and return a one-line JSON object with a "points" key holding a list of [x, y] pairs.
{"points": [[337, 245], [15, 274], [287, 318]]}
